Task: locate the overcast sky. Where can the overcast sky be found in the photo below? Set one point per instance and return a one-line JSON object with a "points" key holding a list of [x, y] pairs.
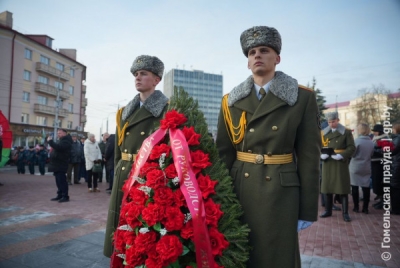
{"points": [[347, 45]]}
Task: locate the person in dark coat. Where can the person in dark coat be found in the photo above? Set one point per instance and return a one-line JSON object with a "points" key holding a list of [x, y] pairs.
{"points": [[360, 167], [395, 180], [377, 165], [75, 160], [135, 122], [335, 167], [31, 159], [109, 159], [59, 160], [42, 158], [270, 140], [21, 160]]}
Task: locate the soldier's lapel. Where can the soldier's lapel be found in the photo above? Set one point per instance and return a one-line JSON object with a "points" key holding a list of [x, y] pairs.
{"points": [[267, 105], [332, 135], [248, 104], [138, 116]]}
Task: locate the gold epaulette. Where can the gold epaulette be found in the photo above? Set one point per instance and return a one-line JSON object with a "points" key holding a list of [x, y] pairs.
{"points": [[120, 130], [306, 88], [236, 133]]}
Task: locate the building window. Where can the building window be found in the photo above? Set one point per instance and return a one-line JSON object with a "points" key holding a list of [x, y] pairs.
{"points": [[43, 80], [49, 42], [25, 118], [42, 100], [69, 125], [27, 75], [59, 85], [44, 60], [26, 96], [28, 54], [71, 90], [41, 120], [60, 66], [72, 72], [70, 107]]}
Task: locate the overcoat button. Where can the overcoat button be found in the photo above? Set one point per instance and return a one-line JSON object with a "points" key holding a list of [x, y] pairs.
{"points": [[246, 175], [142, 133], [268, 178], [249, 151], [269, 153], [127, 133], [274, 128], [125, 150], [123, 168], [251, 129]]}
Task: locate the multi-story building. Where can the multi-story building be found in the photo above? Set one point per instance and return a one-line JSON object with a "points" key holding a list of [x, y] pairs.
{"points": [[204, 87], [39, 86]]}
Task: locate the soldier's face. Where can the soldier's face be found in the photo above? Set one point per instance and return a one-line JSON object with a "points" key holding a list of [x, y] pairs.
{"points": [[333, 123], [145, 81], [262, 60]]}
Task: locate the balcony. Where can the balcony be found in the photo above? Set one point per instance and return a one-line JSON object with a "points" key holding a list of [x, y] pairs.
{"points": [[83, 118], [84, 102], [83, 89], [41, 67], [47, 89], [44, 109]]}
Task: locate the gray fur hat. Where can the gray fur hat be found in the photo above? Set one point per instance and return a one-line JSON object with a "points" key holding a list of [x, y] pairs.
{"points": [[148, 63], [332, 116], [260, 36]]}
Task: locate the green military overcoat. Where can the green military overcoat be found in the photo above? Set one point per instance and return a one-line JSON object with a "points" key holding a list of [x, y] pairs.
{"points": [[274, 197], [335, 173], [142, 121]]}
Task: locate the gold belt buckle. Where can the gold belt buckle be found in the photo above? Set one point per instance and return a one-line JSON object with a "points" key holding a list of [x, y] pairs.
{"points": [[259, 159], [129, 157]]}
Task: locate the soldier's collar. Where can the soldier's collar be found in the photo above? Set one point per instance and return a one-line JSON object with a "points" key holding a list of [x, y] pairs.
{"points": [[340, 128], [282, 86], [155, 104]]}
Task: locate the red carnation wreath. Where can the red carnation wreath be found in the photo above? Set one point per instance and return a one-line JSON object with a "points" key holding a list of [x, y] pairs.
{"points": [[167, 217]]}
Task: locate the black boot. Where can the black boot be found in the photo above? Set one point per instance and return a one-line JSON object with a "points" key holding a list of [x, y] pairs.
{"points": [[345, 207], [58, 197], [354, 193], [323, 200], [337, 199], [366, 194], [328, 206], [336, 208]]}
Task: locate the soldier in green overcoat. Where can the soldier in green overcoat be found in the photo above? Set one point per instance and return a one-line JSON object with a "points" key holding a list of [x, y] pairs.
{"points": [[335, 167], [269, 137], [135, 122]]}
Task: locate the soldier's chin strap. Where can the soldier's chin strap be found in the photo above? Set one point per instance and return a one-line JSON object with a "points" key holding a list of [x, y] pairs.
{"points": [[236, 133], [120, 132]]}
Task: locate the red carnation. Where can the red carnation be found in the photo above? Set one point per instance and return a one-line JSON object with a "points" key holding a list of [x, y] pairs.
{"points": [[213, 212], [170, 171], [164, 196], [206, 185], [153, 213], [199, 161], [155, 178], [187, 230], [172, 120], [117, 262], [218, 241], [170, 248], [134, 257], [145, 242], [174, 219], [147, 166], [138, 196], [191, 136], [119, 242], [385, 143], [158, 150], [154, 260], [180, 200], [133, 213]]}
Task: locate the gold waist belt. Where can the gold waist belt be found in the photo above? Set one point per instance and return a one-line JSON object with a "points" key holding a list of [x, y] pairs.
{"points": [[266, 159], [128, 157], [339, 151]]}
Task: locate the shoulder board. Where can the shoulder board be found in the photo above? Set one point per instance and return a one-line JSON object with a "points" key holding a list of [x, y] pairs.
{"points": [[306, 88]]}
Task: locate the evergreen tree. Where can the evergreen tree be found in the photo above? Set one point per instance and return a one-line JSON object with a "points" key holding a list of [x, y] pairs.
{"points": [[320, 99], [394, 104], [236, 255]]}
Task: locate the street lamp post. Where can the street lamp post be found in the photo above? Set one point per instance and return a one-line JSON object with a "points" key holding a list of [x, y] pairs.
{"points": [[58, 100]]}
